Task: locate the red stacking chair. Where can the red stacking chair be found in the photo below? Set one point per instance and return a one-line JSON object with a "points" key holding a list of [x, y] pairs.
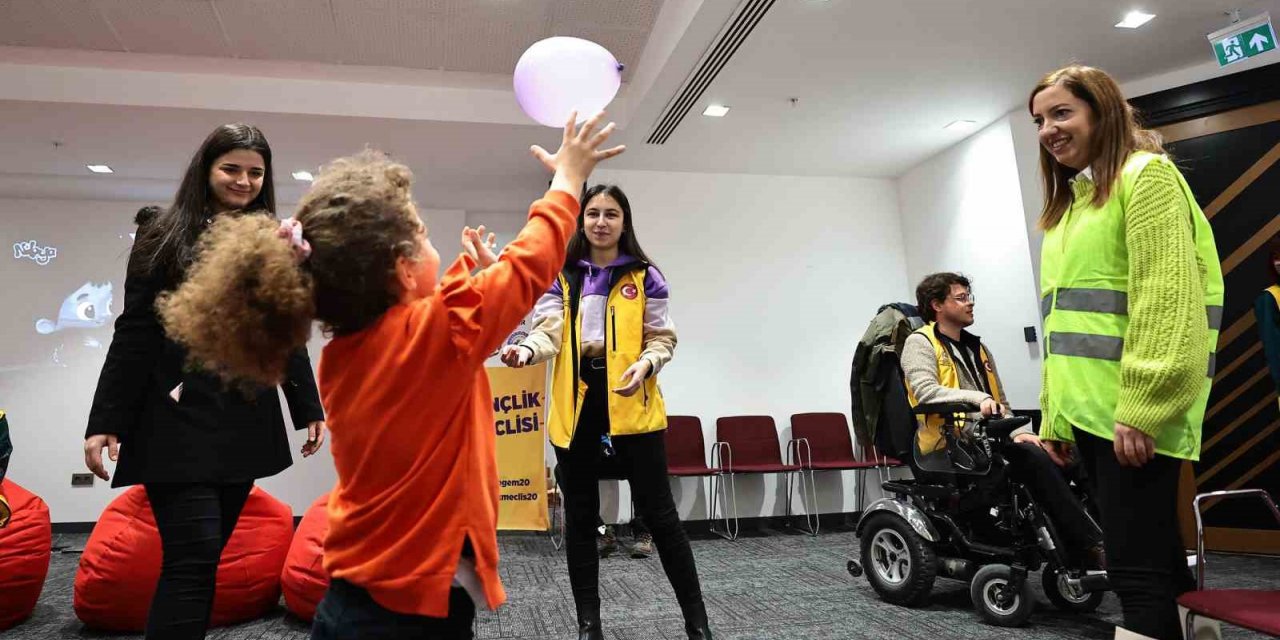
{"points": [[749, 444], [823, 443], [686, 458], [1254, 609]]}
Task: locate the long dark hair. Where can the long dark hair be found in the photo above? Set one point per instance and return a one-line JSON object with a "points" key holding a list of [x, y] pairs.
{"points": [[166, 242], [580, 249]]}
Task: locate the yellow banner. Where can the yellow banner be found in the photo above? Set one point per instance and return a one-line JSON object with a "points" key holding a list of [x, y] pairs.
{"points": [[520, 417]]}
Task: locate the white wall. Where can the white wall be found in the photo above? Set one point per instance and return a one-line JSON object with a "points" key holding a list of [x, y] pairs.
{"points": [[963, 211], [773, 280]]}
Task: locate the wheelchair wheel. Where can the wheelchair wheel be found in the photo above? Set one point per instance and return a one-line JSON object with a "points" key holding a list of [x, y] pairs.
{"points": [[996, 600], [1064, 596], [900, 565]]}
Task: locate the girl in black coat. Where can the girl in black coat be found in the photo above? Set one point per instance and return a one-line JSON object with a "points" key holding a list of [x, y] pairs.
{"points": [[194, 443]]}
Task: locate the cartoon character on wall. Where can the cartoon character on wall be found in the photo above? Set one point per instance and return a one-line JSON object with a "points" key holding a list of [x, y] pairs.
{"points": [[85, 310]]}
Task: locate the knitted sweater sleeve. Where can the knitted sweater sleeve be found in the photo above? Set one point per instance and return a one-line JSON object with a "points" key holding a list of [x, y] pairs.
{"points": [[1166, 346]]}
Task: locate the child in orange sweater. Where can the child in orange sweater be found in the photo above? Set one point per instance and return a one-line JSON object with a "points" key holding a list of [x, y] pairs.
{"points": [[412, 543]]}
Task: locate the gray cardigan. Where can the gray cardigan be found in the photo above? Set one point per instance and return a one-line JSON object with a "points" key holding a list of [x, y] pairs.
{"points": [[920, 367]]}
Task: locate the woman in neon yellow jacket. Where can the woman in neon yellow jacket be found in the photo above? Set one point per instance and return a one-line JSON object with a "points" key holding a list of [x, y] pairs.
{"points": [[605, 322], [1131, 294]]}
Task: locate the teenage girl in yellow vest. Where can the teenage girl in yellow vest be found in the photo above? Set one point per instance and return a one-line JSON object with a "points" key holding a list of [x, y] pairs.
{"points": [[605, 322], [1132, 295], [1267, 310]]}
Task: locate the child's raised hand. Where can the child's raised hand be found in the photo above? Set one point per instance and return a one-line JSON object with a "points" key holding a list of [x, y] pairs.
{"points": [[478, 246], [578, 154]]}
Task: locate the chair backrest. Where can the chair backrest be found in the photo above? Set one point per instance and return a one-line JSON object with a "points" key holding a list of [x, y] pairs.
{"points": [[827, 434], [685, 446], [752, 439]]}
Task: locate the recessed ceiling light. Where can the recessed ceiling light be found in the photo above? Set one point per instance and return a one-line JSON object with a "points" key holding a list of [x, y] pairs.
{"points": [[98, 168], [961, 125], [304, 176], [715, 110], [1135, 19]]}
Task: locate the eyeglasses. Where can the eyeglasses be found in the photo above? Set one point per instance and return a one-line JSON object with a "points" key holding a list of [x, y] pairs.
{"points": [[965, 298]]}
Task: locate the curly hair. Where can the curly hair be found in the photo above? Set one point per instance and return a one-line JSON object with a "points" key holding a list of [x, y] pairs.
{"points": [[247, 303], [935, 288]]}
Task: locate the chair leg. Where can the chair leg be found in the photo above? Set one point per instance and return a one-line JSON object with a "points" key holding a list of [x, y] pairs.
{"points": [[721, 495], [813, 504], [733, 492], [861, 500], [789, 480], [556, 528]]}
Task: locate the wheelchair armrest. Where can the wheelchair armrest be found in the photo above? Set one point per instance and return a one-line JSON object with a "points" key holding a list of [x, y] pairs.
{"points": [[1000, 428], [945, 408]]}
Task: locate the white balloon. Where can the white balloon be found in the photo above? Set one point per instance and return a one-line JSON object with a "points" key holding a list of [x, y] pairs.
{"points": [[559, 75]]}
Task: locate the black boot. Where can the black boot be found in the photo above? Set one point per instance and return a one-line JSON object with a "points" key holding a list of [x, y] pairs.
{"points": [[589, 624], [695, 621]]}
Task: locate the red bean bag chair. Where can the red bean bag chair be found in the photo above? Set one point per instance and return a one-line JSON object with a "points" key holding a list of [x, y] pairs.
{"points": [[24, 554], [304, 579], [121, 563]]}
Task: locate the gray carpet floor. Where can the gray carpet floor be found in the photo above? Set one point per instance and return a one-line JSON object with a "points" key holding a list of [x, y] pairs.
{"points": [[768, 585]]}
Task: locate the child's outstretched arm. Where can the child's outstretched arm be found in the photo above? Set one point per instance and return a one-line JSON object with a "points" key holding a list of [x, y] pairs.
{"points": [[483, 309]]}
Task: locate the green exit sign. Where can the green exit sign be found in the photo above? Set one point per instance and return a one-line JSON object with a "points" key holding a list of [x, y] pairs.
{"points": [[1243, 40]]}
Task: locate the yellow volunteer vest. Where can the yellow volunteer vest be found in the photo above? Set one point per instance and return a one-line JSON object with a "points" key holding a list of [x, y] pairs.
{"points": [[929, 432], [1084, 286], [644, 412]]}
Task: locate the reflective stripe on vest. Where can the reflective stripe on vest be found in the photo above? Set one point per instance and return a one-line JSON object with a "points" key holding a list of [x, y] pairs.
{"points": [[1102, 347]]}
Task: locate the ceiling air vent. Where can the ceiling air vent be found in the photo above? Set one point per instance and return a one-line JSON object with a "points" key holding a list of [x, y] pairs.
{"points": [[714, 59]]}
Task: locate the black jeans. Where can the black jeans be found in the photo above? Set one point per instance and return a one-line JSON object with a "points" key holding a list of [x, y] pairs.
{"points": [[1032, 466], [641, 460], [195, 521], [348, 612], [1146, 560]]}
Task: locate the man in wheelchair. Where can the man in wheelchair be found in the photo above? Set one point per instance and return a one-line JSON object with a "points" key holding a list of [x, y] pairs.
{"points": [[944, 363]]}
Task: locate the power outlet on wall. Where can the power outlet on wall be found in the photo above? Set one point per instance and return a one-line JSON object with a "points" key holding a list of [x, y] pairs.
{"points": [[82, 479]]}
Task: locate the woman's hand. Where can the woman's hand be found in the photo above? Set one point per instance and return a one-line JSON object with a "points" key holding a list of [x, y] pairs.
{"points": [[315, 438], [1133, 448], [516, 356], [479, 247], [93, 446], [633, 377]]}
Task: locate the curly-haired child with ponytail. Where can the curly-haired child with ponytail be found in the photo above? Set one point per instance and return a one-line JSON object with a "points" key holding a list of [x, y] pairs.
{"points": [[412, 543]]}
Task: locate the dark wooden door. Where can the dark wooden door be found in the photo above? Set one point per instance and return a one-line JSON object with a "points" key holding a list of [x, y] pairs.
{"points": [[1232, 162]]}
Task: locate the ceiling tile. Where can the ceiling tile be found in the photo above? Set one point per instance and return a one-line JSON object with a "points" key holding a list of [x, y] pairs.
{"points": [[65, 24], [178, 27]]}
